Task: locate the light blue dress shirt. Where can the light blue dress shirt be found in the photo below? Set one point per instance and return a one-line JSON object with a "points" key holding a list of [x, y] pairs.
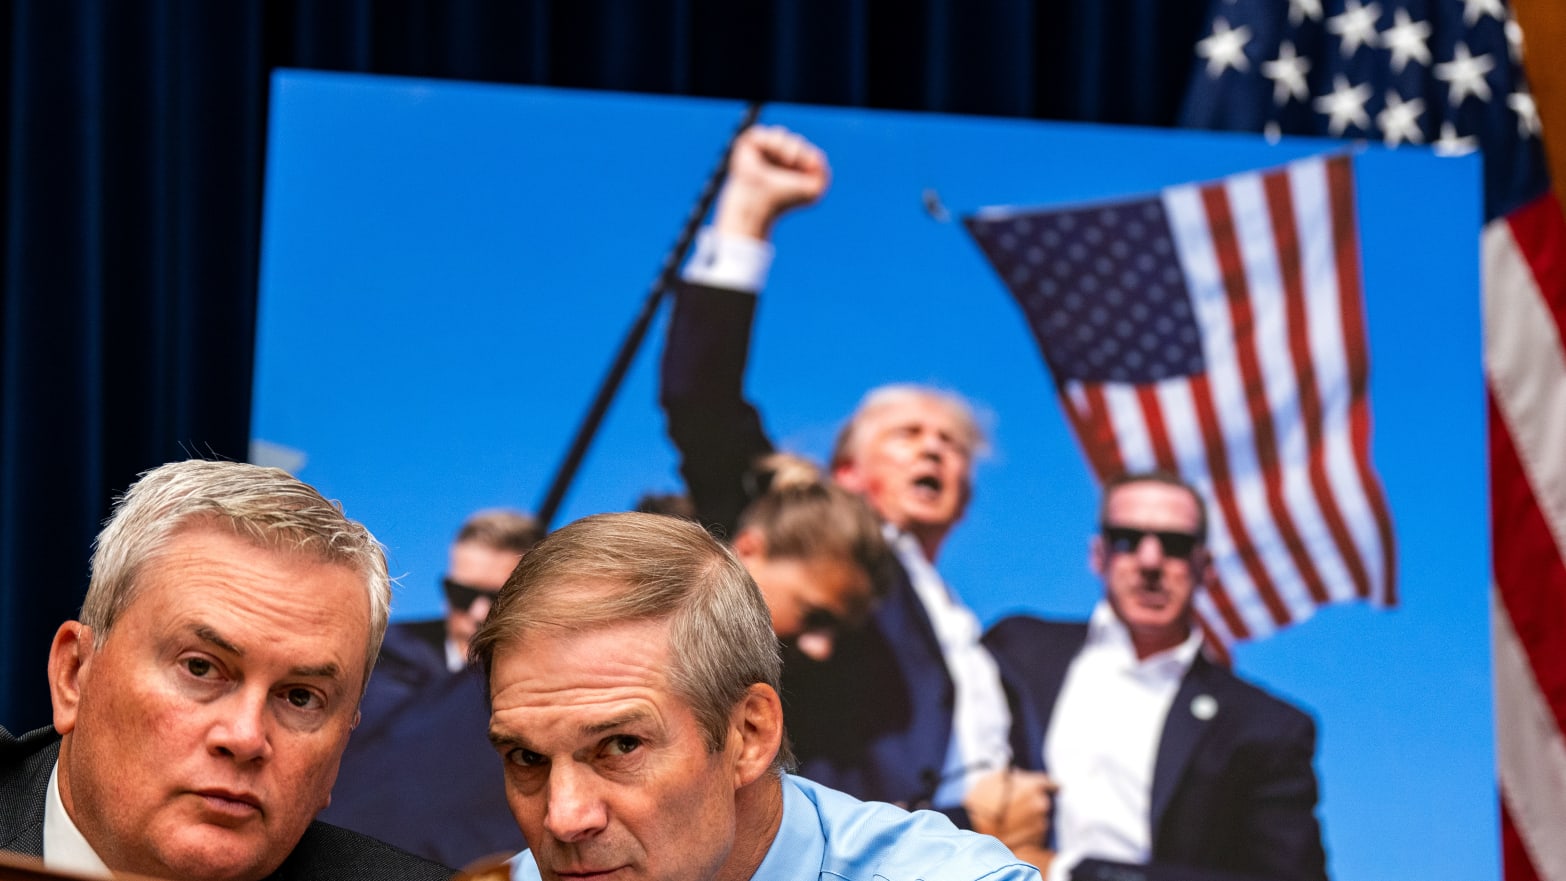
{"points": [[829, 836]]}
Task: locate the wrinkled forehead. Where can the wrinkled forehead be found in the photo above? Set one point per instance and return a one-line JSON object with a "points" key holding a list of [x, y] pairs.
{"points": [[915, 407]]}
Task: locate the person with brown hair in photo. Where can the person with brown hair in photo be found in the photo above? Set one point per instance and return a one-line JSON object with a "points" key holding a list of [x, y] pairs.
{"points": [[633, 676]]}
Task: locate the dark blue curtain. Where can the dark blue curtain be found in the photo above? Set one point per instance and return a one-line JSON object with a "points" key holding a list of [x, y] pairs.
{"points": [[131, 168]]}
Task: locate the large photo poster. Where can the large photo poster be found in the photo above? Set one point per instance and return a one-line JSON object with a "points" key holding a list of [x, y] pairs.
{"points": [[449, 268]]}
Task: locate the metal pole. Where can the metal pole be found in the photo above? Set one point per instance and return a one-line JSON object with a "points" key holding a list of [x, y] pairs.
{"points": [[633, 339]]}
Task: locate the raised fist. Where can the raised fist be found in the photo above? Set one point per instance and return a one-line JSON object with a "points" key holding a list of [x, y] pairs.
{"points": [[771, 171]]}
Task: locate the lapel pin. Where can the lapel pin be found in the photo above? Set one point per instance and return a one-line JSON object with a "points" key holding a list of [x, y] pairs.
{"points": [[1204, 706]]}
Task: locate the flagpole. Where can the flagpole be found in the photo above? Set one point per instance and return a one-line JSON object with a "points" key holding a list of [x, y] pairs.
{"points": [[633, 339]]}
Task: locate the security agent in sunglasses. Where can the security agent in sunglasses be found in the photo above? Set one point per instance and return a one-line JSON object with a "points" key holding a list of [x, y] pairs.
{"points": [[419, 771], [1160, 756]]}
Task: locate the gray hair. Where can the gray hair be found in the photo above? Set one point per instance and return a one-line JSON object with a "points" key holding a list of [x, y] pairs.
{"points": [[648, 567], [886, 397], [265, 506]]}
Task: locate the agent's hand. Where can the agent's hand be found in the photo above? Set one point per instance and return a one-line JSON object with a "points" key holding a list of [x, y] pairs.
{"points": [[1013, 806], [771, 171]]}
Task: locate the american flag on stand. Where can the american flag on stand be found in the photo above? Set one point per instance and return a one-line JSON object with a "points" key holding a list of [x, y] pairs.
{"points": [[1217, 331], [1448, 74]]}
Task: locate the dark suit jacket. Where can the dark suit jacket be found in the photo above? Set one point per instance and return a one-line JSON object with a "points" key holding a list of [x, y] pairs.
{"points": [[1234, 792], [324, 853], [419, 771], [875, 720]]}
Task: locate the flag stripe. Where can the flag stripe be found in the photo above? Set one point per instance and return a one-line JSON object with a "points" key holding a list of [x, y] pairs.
{"points": [[1340, 187], [1528, 568], [1229, 507], [1158, 434], [1524, 354], [1287, 241], [1524, 359], [1541, 240], [1532, 756], [1092, 426], [1513, 854], [1245, 262], [1325, 302]]}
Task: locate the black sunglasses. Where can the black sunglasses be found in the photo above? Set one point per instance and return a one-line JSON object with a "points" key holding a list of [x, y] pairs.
{"points": [[1126, 539], [461, 596]]}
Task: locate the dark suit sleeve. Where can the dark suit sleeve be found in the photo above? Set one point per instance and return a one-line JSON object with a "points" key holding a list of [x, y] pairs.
{"points": [[1282, 838], [329, 853], [717, 432]]}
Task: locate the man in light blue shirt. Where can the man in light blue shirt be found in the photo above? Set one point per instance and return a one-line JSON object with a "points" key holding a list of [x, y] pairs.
{"points": [[633, 677]]}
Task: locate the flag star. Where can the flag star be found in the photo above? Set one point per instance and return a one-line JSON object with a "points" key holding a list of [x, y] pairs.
{"points": [[1452, 144], [1304, 10], [1409, 40], [1521, 102], [1464, 75], [1399, 121], [1345, 106], [1287, 73], [1355, 25], [1224, 48], [1473, 10], [1514, 39]]}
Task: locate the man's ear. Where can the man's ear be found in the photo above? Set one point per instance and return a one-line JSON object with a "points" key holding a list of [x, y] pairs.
{"points": [[848, 477], [1201, 560], [757, 723], [70, 657], [1096, 555], [750, 544]]}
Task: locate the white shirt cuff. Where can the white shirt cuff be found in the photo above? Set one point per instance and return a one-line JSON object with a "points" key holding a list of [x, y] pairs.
{"points": [[728, 261], [1060, 867]]}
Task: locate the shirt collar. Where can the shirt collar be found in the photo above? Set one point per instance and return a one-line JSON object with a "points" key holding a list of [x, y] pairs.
{"points": [[64, 847], [1107, 633], [798, 851]]}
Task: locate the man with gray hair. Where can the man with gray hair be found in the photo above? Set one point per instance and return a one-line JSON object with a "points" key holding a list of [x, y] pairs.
{"points": [[910, 708], [633, 676], [202, 702]]}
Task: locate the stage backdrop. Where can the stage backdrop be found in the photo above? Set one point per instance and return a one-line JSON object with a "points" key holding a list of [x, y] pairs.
{"points": [[448, 269]]}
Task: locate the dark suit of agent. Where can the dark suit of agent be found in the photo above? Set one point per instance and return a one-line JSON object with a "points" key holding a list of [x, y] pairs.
{"points": [[203, 701], [1161, 756]]}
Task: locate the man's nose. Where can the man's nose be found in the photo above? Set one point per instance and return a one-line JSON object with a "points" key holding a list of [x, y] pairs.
{"points": [[575, 811], [241, 730], [1150, 552], [816, 645], [480, 608]]}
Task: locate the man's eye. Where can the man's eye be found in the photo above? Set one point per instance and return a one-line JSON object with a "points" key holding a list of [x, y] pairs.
{"points": [[524, 758], [303, 699], [622, 744], [200, 668]]}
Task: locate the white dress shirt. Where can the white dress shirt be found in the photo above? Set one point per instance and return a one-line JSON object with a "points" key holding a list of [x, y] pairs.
{"points": [[721, 260], [1103, 742], [981, 719], [64, 848]]}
